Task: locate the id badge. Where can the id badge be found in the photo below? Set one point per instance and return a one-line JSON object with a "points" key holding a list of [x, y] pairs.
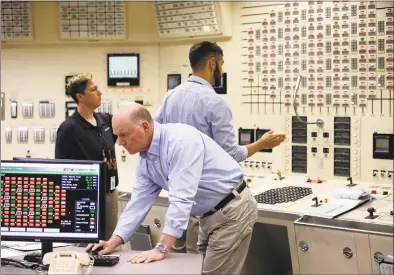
{"points": [[112, 183]]}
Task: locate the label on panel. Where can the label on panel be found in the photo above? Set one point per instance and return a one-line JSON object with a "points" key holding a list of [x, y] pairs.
{"points": [[92, 20], [191, 18], [16, 21]]}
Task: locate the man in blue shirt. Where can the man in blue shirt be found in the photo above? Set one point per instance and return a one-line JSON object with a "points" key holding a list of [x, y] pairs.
{"points": [[196, 103], [201, 178]]}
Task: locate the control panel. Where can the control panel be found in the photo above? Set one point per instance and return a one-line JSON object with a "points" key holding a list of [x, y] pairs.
{"points": [[322, 73]]}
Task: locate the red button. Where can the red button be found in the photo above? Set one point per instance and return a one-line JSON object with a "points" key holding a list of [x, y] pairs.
{"points": [[248, 180], [373, 191]]}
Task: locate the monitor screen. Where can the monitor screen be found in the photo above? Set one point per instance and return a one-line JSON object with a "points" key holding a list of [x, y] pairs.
{"points": [[382, 145], [123, 69], [52, 200], [173, 80], [245, 138]]}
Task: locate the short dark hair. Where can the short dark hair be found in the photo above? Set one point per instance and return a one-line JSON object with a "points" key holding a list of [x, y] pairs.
{"points": [[77, 85], [199, 53]]}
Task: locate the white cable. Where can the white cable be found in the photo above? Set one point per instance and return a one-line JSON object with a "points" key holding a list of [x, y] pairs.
{"points": [[90, 267]]}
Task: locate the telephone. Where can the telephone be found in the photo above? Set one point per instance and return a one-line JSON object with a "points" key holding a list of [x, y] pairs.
{"points": [[67, 262]]}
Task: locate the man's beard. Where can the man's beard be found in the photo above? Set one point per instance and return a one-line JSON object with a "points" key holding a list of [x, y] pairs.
{"points": [[217, 76]]}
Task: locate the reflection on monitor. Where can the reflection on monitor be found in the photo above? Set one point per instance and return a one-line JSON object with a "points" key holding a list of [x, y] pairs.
{"points": [[123, 69], [52, 201], [173, 80], [382, 145], [245, 136]]}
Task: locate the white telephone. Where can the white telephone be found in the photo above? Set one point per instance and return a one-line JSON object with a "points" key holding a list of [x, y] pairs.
{"points": [[67, 262]]}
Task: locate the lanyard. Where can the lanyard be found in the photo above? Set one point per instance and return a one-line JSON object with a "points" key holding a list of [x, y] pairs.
{"points": [[195, 82]]}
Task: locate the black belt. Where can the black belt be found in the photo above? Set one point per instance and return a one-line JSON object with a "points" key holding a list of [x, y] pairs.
{"points": [[226, 200]]}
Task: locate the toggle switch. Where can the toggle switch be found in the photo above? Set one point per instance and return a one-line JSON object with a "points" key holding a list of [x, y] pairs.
{"points": [[269, 165], [390, 174], [351, 184], [374, 173], [317, 204], [383, 173]]}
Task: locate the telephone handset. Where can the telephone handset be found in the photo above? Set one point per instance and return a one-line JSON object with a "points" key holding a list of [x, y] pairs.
{"points": [[67, 262]]}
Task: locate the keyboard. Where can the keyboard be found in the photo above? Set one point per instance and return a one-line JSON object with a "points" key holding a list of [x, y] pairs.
{"points": [[99, 260], [105, 260]]}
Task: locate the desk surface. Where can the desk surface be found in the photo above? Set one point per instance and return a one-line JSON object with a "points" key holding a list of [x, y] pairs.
{"points": [[174, 263]]}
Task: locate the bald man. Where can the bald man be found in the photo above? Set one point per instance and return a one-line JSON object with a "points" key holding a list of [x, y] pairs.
{"points": [[201, 179]]}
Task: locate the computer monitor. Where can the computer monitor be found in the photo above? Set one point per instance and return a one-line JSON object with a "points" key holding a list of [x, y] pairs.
{"points": [[47, 200], [173, 80], [123, 69]]}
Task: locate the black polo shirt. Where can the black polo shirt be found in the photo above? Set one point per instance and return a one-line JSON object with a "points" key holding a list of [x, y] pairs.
{"points": [[79, 140]]}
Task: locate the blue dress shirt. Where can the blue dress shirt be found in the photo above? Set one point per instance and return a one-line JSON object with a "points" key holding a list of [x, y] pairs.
{"points": [[194, 169], [196, 103]]}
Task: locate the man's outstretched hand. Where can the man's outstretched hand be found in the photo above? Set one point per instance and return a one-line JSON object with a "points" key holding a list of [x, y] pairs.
{"points": [[270, 140], [147, 257]]}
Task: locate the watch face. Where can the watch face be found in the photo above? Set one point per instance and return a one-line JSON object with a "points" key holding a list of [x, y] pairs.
{"points": [[161, 247]]}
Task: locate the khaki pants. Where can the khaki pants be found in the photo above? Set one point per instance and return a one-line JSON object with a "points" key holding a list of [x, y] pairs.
{"points": [[192, 235], [224, 236], [111, 216]]}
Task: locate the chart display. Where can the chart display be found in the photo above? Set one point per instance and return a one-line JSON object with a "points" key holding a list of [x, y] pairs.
{"points": [[51, 201]]}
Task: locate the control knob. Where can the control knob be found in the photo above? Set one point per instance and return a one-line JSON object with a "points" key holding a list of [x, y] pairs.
{"points": [[316, 202], [351, 184], [371, 210]]}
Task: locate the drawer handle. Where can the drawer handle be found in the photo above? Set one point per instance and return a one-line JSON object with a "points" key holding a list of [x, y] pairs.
{"points": [[347, 253], [303, 246]]}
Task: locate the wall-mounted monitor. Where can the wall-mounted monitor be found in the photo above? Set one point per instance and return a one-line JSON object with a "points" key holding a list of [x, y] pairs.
{"points": [[222, 88], [71, 107], [67, 79], [173, 80], [123, 69], [383, 146], [245, 136], [259, 134]]}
